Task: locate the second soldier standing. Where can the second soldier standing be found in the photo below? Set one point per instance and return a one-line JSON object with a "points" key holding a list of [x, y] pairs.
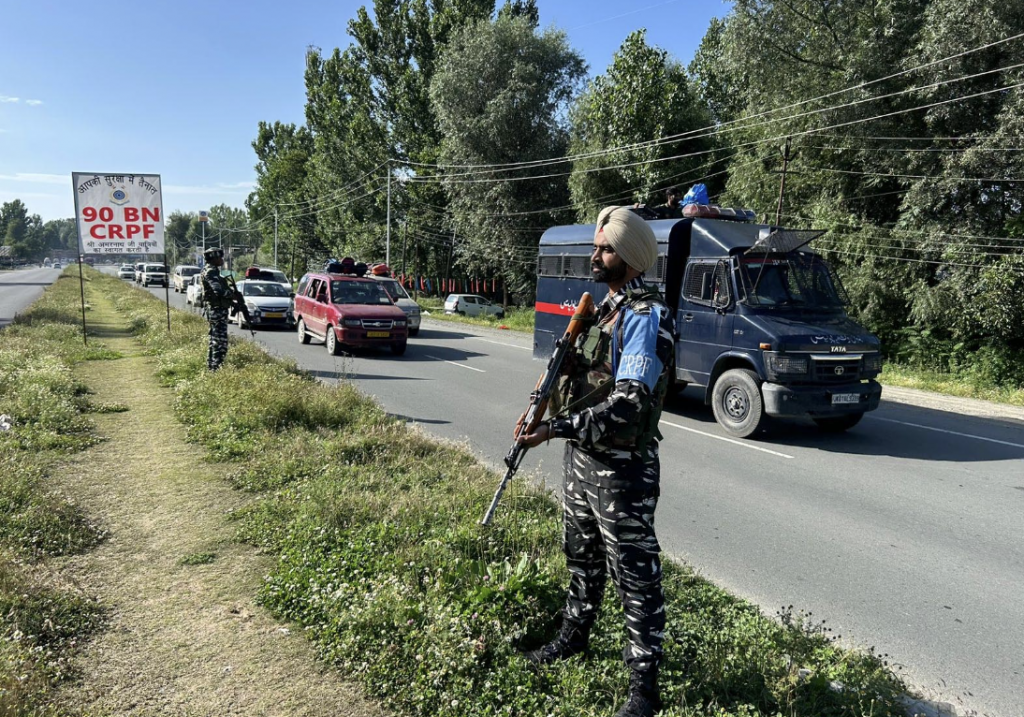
{"points": [[217, 295]]}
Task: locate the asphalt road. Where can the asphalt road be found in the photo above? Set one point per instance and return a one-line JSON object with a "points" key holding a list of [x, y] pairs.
{"points": [[906, 533], [20, 287]]}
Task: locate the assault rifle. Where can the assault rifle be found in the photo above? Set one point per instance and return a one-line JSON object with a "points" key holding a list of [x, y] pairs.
{"points": [[534, 414], [238, 303]]}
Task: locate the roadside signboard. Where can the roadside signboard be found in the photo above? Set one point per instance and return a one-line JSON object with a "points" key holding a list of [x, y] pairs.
{"points": [[119, 213]]}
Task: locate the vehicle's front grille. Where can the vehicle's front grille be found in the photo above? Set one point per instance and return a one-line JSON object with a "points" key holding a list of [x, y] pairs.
{"points": [[377, 324], [836, 370]]}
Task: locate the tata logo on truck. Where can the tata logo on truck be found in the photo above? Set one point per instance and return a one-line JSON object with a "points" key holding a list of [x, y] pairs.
{"points": [[837, 349]]}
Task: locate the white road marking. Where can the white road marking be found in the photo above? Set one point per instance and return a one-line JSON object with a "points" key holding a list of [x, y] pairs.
{"points": [[727, 440], [954, 433], [500, 343], [453, 363]]}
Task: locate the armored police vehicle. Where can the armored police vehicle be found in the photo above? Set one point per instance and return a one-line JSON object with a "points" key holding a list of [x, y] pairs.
{"points": [[761, 318]]}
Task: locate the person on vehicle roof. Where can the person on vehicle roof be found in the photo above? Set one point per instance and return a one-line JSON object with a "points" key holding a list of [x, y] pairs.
{"points": [[608, 410], [673, 206]]}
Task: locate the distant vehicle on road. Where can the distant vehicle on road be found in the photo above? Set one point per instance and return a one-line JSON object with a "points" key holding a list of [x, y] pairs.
{"points": [[182, 273], [194, 291], [138, 271], [126, 271], [344, 310], [57, 265], [402, 299], [154, 274], [260, 273], [269, 304], [761, 318], [472, 305]]}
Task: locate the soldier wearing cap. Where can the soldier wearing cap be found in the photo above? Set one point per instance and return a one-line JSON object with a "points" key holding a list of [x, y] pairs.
{"points": [[217, 295], [609, 412]]}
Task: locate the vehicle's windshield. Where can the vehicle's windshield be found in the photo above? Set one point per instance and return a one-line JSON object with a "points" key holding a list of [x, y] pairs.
{"points": [[155, 268], [264, 290], [789, 281], [395, 290], [190, 270], [358, 292]]}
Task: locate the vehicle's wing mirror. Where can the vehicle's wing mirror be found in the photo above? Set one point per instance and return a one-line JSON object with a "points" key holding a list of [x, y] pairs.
{"points": [[291, 294]]}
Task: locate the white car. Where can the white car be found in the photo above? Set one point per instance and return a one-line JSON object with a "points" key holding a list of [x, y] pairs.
{"points": [[194, 291], [126, 271], [260, 273], [182, 274], [153, 274], [401, 297], [268, 302], [472, 305]]}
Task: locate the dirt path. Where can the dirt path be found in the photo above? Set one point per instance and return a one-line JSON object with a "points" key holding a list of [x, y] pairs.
{"points": [[182, 639]]}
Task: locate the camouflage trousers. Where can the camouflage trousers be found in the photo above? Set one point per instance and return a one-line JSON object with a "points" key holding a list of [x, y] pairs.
{"points": [[610, 531], [218, 319]]}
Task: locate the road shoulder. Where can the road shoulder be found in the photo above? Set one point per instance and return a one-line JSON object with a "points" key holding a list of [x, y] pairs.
{"points": [[181, 639]]}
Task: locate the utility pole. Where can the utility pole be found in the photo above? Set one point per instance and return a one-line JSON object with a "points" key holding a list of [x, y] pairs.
{"points": [[387, 243], [405, 237], [782, 186], [451, 253], [275, 236]]}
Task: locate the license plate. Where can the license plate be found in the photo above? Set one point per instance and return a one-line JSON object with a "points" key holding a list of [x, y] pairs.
{"points": [[839, 398], [274, 315], [378, 334]]}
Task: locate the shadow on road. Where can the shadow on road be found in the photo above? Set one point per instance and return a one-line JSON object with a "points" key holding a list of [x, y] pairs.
{"points": [[936, 436], [26, 283], [410, 419], [349, 376]]}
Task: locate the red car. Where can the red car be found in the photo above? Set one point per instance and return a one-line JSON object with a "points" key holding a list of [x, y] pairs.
{"points": [[343, 310]]}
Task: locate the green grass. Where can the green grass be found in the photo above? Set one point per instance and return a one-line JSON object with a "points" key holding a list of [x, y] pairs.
{"points": [[380, 558], [518, 318], [198, 559], [950, 384], [43, 617]]}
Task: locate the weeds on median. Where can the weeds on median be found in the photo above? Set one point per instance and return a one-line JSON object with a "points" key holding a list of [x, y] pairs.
{"points": [[380, 558], [43, 617]]}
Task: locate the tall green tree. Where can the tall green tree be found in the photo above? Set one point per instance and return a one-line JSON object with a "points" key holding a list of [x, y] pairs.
{"points": [[281, 203], [500, 92], [643, 96]]}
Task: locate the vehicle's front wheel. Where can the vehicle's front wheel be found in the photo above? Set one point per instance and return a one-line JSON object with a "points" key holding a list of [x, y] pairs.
{"points": [[398, 349], [736, 402], [300, 330], [414, 332], [838, 424], [332, 342]]}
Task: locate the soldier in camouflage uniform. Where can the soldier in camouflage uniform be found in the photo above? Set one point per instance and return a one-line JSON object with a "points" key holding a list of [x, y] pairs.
{"points": [[217, 295], [612, 403]]}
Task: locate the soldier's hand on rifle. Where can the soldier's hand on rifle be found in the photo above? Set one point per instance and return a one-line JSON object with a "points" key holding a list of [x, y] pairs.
{"points": [[541, 434]]}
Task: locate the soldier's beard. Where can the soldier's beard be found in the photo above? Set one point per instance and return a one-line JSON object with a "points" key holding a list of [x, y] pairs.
{"points": [[604, 275]]}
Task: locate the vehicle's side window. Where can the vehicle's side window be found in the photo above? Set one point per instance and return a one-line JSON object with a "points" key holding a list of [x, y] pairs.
{"points": [[698, 286], [469, 299], [301, 291], [314, 288]]}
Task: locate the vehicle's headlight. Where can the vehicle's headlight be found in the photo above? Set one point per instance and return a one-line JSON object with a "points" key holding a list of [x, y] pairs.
{"points": [[786, 364], [400, 322], [873, 363], [353, 323]]}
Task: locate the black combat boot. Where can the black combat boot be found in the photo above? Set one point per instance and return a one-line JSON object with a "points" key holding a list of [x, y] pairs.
{"points": [[643, 699], [571, 640]]}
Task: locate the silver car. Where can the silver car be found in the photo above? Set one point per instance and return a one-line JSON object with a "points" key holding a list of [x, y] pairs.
{"points": [[268, 302]]}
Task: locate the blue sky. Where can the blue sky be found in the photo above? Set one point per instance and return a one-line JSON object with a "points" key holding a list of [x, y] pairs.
{"points": [[178, 88]]}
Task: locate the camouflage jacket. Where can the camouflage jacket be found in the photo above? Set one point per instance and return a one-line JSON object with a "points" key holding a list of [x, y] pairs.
{"points": [[643, 342], [216, 290]]}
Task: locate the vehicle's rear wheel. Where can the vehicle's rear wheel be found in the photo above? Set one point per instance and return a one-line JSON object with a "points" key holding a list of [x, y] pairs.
{"points": [[332, 342], [838, 424], [736, 402], [500, 314], [398, 349], [300, 330]]}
